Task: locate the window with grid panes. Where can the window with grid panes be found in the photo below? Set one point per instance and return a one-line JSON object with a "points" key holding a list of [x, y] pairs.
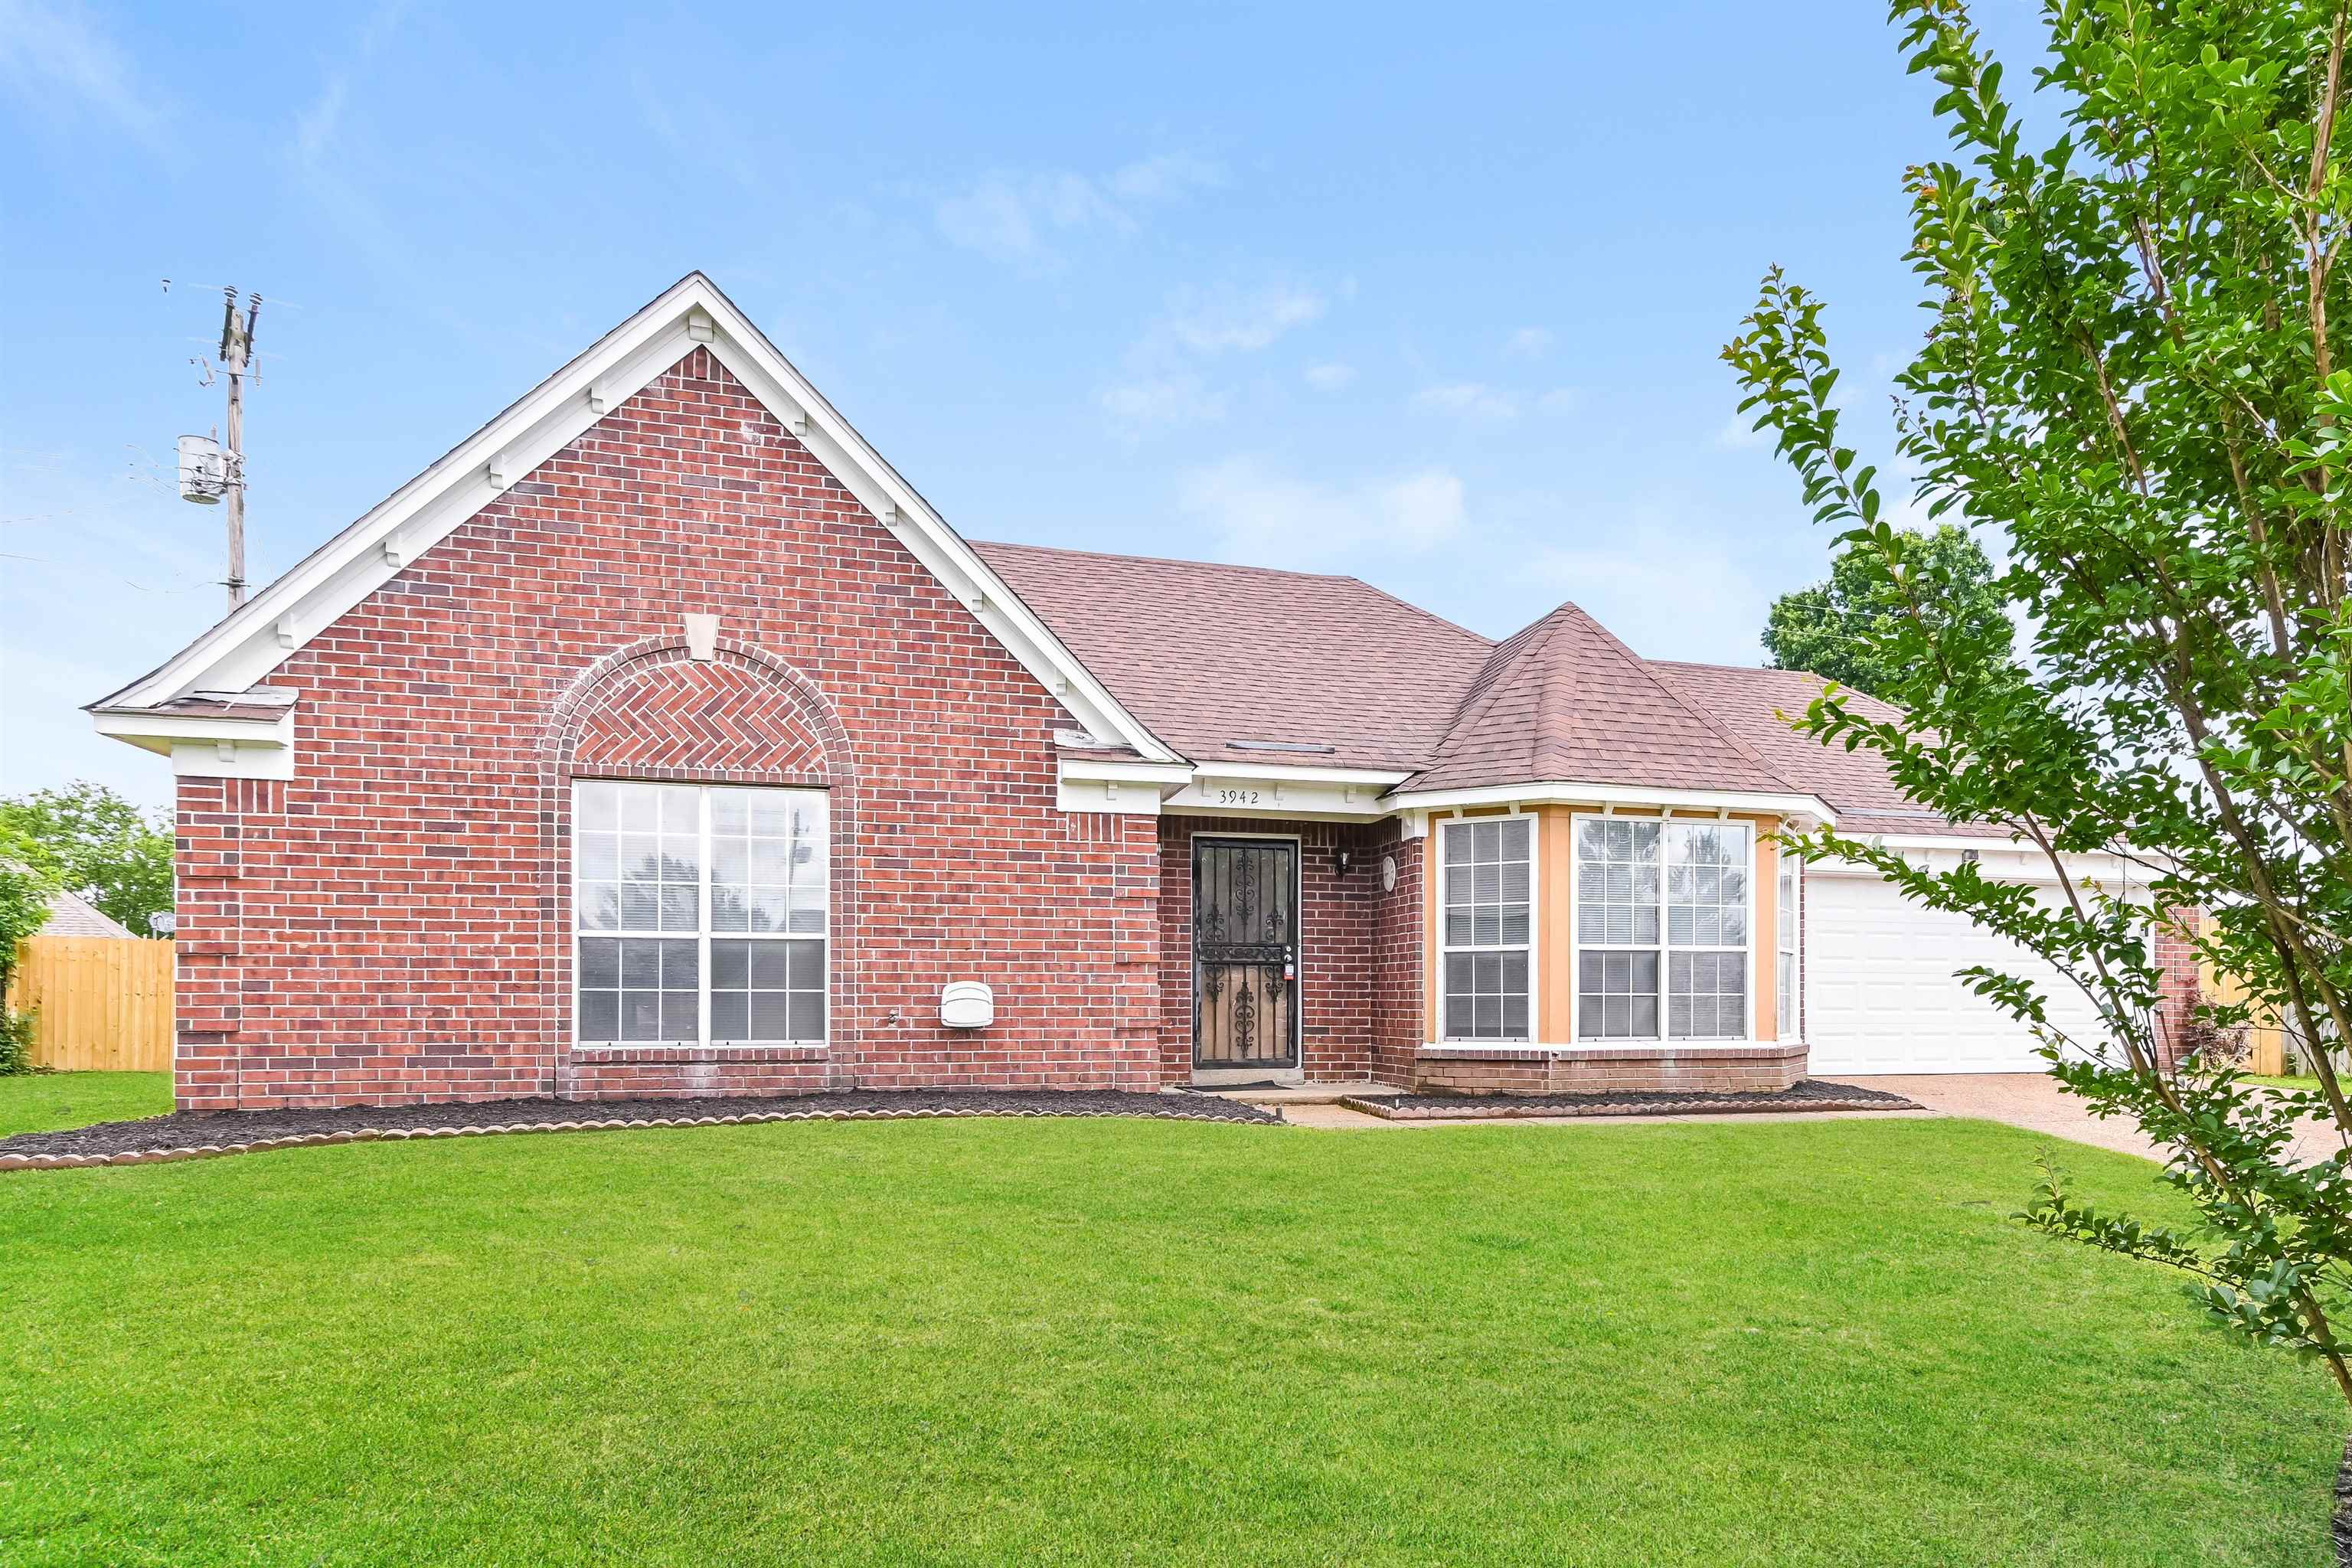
{"points": [[1486, 927], [702, 914], [1784, 995], [1616, 929], [1707, 874], [1661, 918]]}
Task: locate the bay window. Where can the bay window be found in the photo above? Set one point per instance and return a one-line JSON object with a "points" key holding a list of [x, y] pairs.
{"points": [[1662, 929], [1488, 897], [701, 913]]}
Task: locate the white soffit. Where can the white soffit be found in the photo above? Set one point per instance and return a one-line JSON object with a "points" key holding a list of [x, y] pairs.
{"points": [[1568, 792], [270, 627]]}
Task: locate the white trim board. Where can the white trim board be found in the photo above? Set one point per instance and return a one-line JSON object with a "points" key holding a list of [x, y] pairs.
{"points": [[1565, 793], [692, 313], [1282, 789]]}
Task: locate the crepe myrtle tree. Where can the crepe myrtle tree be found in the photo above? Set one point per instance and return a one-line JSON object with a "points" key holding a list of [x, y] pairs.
{"points": [[2129, 386]]}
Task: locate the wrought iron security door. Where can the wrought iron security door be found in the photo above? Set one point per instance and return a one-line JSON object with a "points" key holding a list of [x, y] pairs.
{"points": [[1244, 952]]}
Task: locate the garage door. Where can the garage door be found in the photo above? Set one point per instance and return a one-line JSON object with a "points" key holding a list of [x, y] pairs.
{"points": [[1880, 994]]}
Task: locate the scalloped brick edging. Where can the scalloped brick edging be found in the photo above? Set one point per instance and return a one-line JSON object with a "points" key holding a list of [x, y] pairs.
{"points": [[1487, 1110], [373, 1134]]}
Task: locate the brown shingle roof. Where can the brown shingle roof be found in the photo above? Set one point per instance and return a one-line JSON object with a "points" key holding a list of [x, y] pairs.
{"points": [[1564, 700], [1206, 655], [70, 914], [1750, 702], [1209, 655]]}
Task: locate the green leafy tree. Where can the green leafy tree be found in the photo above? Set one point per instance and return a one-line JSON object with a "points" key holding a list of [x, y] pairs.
{"points": [[2130, 381], [24, 891], [1831, 628], [90, 839]]}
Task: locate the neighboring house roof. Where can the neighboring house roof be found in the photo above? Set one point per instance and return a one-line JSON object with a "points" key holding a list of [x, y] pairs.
{"points": [[1564, 700], [70, 914], [1758, 705], [1210, 654]]}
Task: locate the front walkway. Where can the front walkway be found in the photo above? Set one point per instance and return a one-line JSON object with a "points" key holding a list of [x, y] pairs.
{"points": [[2034, 1102]]}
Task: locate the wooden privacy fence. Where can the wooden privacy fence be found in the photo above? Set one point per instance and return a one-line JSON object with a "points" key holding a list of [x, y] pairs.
{"points": [[105, 1002]]}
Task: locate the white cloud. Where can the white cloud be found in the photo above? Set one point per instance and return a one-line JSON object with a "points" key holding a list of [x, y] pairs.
{"points": [[1166, 177], [1561, 400], [1666, 574], [315, 127], [1161, 401], [1021, 217], [1008, 217], [1738, 432], [1245, 323], [1329, 377], [323, 162], [1527, 343], [1160, 383], [49, 53], [1262, 518], [1471, 399]]}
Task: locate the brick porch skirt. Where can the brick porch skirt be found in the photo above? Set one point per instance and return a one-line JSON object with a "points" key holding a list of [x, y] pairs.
{"points": [[1582, 1069]]}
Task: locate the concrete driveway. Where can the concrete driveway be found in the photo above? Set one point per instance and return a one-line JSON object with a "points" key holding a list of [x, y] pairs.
{"points": [[2035, 1102]]}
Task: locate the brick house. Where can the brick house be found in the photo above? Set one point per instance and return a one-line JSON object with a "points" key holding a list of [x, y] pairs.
{"points": [[661, 739]]}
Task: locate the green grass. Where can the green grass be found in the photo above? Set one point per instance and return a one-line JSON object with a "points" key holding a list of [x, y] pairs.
{"points": [[1125, 1341], [37, 1102]]}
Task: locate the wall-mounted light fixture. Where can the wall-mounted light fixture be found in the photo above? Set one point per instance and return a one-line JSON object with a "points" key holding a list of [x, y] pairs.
{"points": [[1342, 858]]}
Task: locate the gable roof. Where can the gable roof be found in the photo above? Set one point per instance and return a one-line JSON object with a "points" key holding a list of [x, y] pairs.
{"points": [[1298, 667], [1563, 700], [261, 635]]}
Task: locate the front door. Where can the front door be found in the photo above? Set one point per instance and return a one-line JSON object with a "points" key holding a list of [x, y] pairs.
{"points": [[1245, 953]]}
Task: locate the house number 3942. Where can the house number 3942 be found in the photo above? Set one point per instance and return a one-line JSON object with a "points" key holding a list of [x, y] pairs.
{"points": [[1237, 797]]}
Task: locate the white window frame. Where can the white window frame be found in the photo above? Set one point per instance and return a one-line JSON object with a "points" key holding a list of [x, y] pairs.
{"points": [[1789, 872], [1534, 946], [1664, 947], [703, 934]]}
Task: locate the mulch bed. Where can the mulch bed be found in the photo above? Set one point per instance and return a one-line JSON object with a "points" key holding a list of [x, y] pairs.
{"points": [[185, 1136], [1810, 1094]]}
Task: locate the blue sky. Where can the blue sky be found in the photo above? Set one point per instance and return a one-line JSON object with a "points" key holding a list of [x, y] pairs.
{"points": [[1430, 298]]}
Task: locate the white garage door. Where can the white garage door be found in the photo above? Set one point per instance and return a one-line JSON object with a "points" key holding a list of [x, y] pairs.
{"points": [[1880, 996]]}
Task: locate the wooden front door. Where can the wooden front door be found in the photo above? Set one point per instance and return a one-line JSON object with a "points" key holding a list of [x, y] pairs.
{"points": [[1244, 952]]}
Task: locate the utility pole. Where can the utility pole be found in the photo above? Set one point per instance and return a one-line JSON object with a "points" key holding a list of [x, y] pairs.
{"points": [[236, 354]]}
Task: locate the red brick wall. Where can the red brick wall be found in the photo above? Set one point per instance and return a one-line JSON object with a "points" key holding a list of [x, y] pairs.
{"points": [[1352, 940], [1455, 1069], [394, 924], [1400, 970], [2179, 1030]]}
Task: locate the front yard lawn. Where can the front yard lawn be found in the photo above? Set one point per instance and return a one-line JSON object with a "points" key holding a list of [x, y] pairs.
{"points": [[38, 1101], [1129, 1342]]}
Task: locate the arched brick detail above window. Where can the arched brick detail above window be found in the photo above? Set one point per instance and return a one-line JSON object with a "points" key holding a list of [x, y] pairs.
{"points": [[655, 712]]}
